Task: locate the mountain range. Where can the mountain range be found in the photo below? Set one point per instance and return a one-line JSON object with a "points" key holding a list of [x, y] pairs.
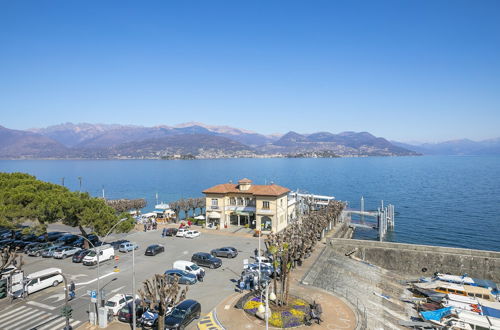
{"points": [[198, 140]]}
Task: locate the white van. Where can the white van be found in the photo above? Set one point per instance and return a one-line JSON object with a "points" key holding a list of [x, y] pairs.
{"points": [[106, 252], [189, 267], [43, 279]]}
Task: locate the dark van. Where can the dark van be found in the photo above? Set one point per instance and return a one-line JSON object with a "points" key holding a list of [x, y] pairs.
{"points": [[206, 259], [183, 314]]}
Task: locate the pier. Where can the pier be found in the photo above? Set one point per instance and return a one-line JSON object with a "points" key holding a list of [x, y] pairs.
{"points": [[384, 215]]}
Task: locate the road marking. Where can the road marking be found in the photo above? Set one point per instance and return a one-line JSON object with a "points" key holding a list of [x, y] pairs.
{"points": [[23, 318], [37, 320], [58, 296], [209, 322], [12, 311], [37, 304], [117, 289], [95, 279], [50, 324]]}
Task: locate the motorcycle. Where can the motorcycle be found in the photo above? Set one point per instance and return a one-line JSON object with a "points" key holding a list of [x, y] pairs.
{"points": [[315, 312]]}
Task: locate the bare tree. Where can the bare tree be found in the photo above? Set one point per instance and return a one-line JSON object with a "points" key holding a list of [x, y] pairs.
{"points": [[162, 293]]}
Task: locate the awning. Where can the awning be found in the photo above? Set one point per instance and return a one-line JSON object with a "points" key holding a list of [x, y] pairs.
{"points": [[214, 215], [200, 217], [242, 213]]}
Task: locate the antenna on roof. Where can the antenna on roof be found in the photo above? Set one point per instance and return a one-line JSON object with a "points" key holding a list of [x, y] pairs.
{"points": [[230, 181], [272, 182]]}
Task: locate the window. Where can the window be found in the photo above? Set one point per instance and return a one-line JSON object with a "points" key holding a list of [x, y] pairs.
{"points": [[215, 202], [265, 205], [247, 201], [232, 201], [240, 201]]}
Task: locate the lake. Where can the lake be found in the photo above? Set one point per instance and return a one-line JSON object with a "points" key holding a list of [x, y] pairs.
{"points": [[439, 200]]}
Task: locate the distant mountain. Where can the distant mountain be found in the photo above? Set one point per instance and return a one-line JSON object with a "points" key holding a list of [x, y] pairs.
{"points": [[70, 134], [345, 143], [87, 136], [207, 146], [456, 147], [23, 144], [192, 139]]}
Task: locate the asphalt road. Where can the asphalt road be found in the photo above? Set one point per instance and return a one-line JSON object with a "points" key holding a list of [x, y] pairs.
{"points": [[39, 308]]}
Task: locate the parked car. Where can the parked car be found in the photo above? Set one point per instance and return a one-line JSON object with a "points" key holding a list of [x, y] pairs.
{"points": [[48, 252], [80, 242], [29, 238], [19, 244], [50, 237], [265, 269], [116, 244], [115, 303], [183, 314], [125, 313], [171, 231], [149, 319], [181, 276], [65, 251], [35, 250], [126, 247], [6, 243], [228, 252], [154, 249], [206, 259], [78, 256], [105, 252], [192, 234], [67, 239], [181, 232], [43, 279], [189, 267]]}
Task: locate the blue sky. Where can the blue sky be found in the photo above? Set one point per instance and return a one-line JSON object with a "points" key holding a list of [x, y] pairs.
{"points": [[404, 70]]}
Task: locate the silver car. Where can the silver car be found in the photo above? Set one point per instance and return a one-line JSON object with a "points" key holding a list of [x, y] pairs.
{"points": [[65, 251]]}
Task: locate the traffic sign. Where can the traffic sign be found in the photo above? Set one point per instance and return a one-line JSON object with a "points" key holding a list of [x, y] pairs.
{"points": [[93, 296], [117, 258]]}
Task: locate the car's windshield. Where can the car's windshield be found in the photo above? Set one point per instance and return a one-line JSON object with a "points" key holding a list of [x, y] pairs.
{"points": [[178, 313], [110, 304], [91, 254], [125, 309], [194, 267]]}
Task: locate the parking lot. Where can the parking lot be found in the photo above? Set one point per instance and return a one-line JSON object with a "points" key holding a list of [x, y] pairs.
{"points": [[47, 303]]}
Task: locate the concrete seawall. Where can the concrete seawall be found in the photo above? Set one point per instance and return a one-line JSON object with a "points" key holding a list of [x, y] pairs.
{"points": [[412, 259]]}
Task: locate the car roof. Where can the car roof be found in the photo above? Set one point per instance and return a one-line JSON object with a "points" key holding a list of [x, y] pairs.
{"points": [[203, 254], [153, 246], [187, 303]]}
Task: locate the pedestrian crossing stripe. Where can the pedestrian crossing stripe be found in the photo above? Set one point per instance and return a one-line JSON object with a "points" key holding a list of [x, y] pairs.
{"points": [[27, 318], [210, 322]]}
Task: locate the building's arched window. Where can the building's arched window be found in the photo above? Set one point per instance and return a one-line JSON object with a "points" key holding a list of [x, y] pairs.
{"points": [[266, 223]]}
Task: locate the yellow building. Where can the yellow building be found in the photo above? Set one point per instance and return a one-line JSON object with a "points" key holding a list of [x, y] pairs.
{"points": [[245, 204]]}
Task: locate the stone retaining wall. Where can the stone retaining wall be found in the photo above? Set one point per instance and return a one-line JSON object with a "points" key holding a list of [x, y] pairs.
{"points": [[412, 259]]}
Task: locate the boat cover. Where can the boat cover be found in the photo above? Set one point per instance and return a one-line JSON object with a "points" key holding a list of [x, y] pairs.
{"points": [[436, 315], [485, 284], [492, 312]]}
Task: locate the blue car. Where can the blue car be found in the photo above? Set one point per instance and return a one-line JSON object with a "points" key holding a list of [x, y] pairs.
{"points": [[127, 247], [149, 319], [181, 276]]}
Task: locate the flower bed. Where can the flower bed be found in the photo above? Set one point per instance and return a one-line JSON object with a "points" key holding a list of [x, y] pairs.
{"points": [[289, 316]]}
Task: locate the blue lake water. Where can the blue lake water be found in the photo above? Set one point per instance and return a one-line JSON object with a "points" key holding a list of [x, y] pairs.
{"points": [[439, 200]]}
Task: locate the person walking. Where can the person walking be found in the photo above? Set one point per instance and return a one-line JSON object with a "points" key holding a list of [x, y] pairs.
{"points": [[256, 253], [72, 290], [164, 232]]}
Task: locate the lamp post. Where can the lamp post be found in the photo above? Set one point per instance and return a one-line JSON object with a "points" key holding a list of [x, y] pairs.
{"points": [[80, 180], [134, 317], [97, 254]]}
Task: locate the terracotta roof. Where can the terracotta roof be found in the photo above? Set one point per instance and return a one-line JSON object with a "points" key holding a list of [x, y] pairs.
{"points": [[245, 180], [260, 190]]}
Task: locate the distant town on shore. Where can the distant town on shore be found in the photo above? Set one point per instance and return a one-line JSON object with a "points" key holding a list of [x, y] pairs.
{"points": [[199, 141]]}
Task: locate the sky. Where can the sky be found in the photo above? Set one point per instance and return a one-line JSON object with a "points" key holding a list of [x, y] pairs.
{"points": [[404, 70]]}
